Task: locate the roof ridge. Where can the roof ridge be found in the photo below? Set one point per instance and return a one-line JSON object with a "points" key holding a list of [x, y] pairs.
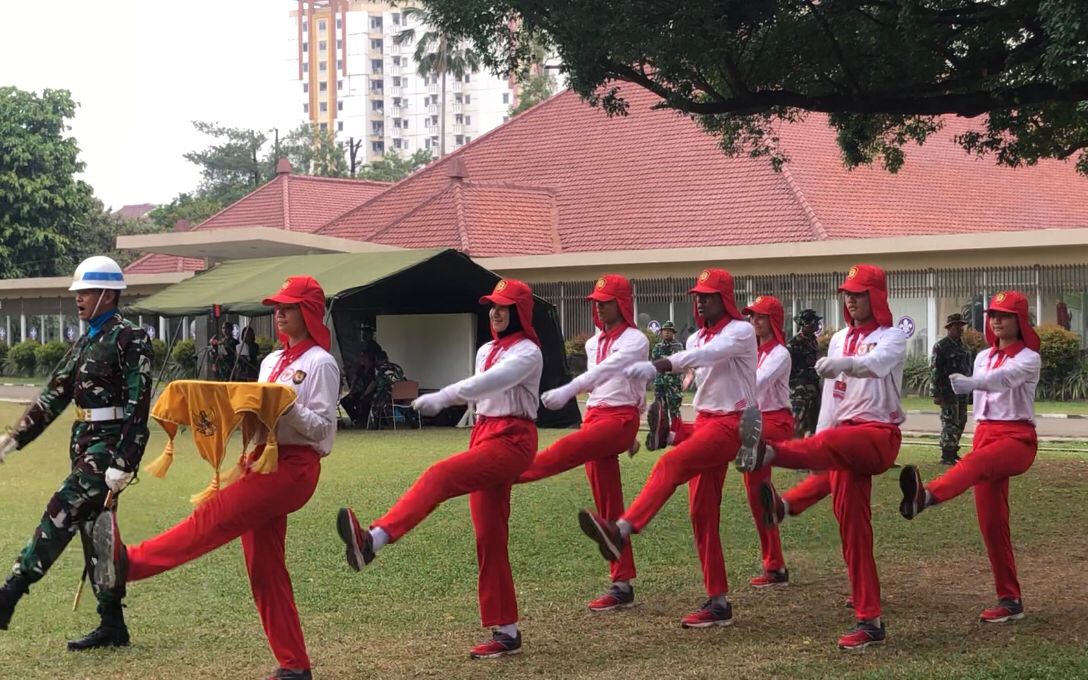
{"points": [[343, 180], [818, 229], [287, 202], [513, 186], [228, 207], [556, 240], [459, 214], [416, 208], [516, 121]]}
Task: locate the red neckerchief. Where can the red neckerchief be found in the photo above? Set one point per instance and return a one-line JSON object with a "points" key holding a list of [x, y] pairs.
{"points": [[290, 354], [998, 356], [501, 345], [855, 335], [763, 350], [707, 333], [605, 339]]}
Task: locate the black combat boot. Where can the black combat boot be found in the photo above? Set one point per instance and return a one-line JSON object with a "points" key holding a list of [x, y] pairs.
{"points": [[10, 594], [111, 632], [949, 456]]}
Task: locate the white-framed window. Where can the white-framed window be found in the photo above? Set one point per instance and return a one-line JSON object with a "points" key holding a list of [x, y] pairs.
{"points": [[339, 126], [322, 45], [323, 107], [323, 86], [321, 25], [505, 97], [339, 106], [322, 66], [324, 127], [306, 109], [305, 88]]}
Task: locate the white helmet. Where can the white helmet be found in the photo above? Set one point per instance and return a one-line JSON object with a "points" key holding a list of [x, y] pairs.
{"points": [[98, 272]]}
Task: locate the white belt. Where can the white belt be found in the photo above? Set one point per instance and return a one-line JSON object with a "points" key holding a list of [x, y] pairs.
{"points": [[99, 415]]}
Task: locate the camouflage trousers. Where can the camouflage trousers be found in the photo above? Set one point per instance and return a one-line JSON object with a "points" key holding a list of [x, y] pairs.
{"points": [[805, 404], [73, 508], [673, 398], [953, 420]]}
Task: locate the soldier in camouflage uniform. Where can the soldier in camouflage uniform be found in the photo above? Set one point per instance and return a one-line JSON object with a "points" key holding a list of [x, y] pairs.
{"points": [[668, 387], [107, 376], [950, 355], [385, 374], [804, 382]]}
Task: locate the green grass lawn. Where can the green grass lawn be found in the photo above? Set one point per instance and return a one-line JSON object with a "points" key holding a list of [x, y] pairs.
{"points": [[912, 403], [413, 612]]}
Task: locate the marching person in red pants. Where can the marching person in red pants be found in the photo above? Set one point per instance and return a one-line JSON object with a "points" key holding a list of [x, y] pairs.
{"points": [[723, 354], [1004, 446], [256, 506], [611, 420], [773, 396], [857, 437], [506, 390]]}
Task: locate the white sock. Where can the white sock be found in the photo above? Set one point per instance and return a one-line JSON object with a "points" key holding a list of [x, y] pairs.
{"points": [[671, 437], [625, 586], [510, 629], [625, 528], [928, 501], [786, 508], [768, 455], [719, 600], [875, 622], [380, 538]]}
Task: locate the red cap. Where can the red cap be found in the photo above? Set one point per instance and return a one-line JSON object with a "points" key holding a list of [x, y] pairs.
{"points": [[868, 278], [1013, 302], [770, 305], [716, 281], [305, 292], [517, 294], [614, 287]]}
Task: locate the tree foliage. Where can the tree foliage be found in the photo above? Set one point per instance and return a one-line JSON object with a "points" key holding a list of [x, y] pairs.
{"points": [[534, 89], [233, 165], [884, 70], [393, 167], [314, 152], [42, 204]]}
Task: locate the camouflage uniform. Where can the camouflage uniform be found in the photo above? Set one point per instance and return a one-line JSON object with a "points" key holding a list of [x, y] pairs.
{"points": [[111, 369], [385, 374], [950, 356], [668, 387], [804, 382]]}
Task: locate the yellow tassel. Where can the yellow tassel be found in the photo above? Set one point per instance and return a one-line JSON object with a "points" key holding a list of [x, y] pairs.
{"points": [[207, 493], [268, 462], [159, 466], [235, 472]]}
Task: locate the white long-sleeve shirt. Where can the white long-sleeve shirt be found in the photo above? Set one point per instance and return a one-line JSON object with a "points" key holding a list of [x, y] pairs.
{"points": [[604, 380], [872, 390], [1006, 385], [773, 379], [725, 368], [315, 378], [511, 387]]}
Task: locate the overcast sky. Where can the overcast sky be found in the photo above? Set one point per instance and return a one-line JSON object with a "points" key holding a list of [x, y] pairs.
{"points": [[142, 70]]}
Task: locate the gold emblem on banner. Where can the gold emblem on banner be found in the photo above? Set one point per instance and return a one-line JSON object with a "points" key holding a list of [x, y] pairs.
{"points": [[203, 423]]}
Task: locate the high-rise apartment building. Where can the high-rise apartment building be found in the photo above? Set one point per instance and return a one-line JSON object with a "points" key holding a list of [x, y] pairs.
{"points": [[354, 80]]}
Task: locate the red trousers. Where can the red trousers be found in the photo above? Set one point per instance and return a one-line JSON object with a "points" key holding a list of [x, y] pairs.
{"points": [[499, 450], [254, 508], [606, 432], [701, 460], [853, 453], [777, 426], [1000, 450]]}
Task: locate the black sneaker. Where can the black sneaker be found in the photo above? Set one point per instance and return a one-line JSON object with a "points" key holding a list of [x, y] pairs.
{"points": [[359, 543], [949, 459], [499, 645], [914, 492], [615, 598], [774, 509], [752, 447], [111, 556], [861, 636], [1005, 611], [291, 674], [771, 579], [604, 532], [105, 635], [709, 615], [658, 420]]}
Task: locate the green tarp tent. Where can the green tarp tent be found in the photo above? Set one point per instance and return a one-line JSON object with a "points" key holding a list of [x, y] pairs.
{"points": [[361, 286]]}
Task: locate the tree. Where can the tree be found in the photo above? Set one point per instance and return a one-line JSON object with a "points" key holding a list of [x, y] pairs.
{"points": [[42, 204], [884, 70], [393, 167], [99, 231], [194, 208], [438, 53], [233, 166], [314, 152], [534, 89]]}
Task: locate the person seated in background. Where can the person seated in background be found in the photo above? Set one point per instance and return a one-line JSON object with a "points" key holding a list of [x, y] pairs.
{"points": [[224, 352], [385, 374], [249, 363], [361, 392]]}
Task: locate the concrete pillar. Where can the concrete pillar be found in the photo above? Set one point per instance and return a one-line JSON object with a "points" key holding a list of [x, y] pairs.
{"points": [[634, 294], [140, 320], [22, 327], [562, 310], [1038, 297], [41, 329], [672, 311], [184, 328], [164, 330], [60, 328], [932, 319]]}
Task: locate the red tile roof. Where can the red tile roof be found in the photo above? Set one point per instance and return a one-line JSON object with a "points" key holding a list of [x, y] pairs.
{"points": [[134, 211], [156, 263], [653, 179]]}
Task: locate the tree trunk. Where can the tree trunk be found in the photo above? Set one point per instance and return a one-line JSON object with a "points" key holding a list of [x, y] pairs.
{"points": [[442, 47]]}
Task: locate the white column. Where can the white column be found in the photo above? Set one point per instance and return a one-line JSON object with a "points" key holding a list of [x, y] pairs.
{"points": [[634, 295], [562, 310], [672, 311], [22, 327], [1038, 297], [60, 328], [140, 320], [931, 310], [184, 328], [7, 327], [163, 329], [41, 329]]}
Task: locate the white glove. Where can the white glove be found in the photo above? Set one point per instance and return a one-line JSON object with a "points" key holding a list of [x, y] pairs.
{"points": [[556, 399], [7, 445], [828, 367], [643, 370], [431, 404], [962, 384], [116, 479]]}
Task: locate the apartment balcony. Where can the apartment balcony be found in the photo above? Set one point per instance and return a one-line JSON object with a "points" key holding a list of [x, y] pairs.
{"points": [[397, 133], [432, 108], [377, 74], [375, 53], [394, 70], [395, 112], [457, 86], [433, 88], [377, 115], [392, 48], [395, 90], [457, 128], [457, 108]]}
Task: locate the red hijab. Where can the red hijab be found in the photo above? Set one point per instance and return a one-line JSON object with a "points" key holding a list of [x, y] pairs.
{"points": [[305, 292], [716, 281], [769, 305], [1013, 302], [867, 278]]}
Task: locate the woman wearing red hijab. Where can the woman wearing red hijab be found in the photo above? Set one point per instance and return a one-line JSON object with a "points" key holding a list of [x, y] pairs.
{"points": [[1004, 446], [506, 390], [255, 507]]}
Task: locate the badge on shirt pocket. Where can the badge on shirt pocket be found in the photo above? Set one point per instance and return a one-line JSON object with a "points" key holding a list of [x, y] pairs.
{"points": [[840, 389], [298, 377]]}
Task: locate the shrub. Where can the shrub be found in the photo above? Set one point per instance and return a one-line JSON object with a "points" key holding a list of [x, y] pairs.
{"points": [[975, 341], [1075, 385], [825, 340], [184, 357], [158, 350], [1060, 352], [265, 346], [22, 358], [576, 354], [47, 356], [916, 375], [4, 348]]}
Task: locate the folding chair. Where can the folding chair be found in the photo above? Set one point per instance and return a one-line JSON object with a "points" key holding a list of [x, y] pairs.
{"points": [[403, 394]]}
